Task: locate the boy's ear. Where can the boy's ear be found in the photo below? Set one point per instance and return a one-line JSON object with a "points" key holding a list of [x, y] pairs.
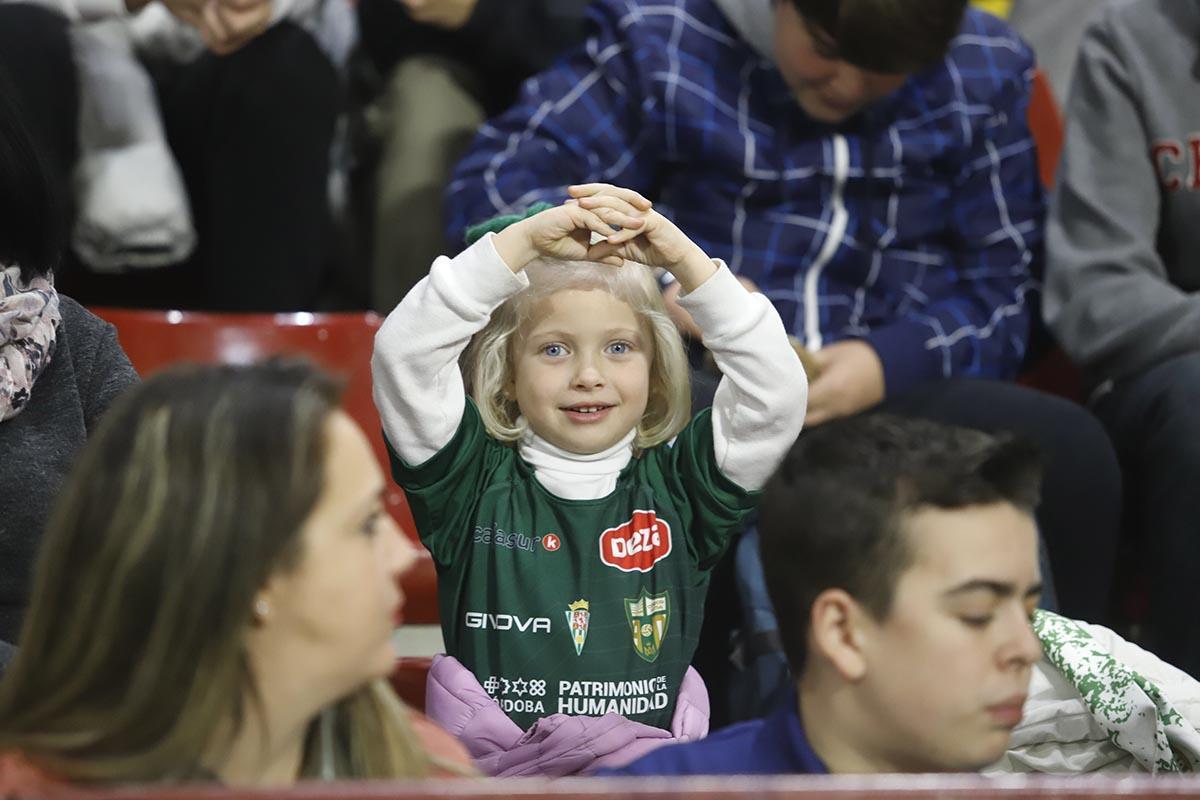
{"points": [[838, 630]]}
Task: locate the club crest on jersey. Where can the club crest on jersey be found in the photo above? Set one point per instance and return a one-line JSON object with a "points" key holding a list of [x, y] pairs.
{"points": [[637, 545], [578, 617], [648, 615]]}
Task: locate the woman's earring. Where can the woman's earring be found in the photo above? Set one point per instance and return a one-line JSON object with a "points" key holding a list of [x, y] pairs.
{"points": [[262, 609]]}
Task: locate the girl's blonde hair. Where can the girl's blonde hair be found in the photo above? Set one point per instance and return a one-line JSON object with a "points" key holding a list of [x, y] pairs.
{"points": [[194, 489], [488, 361]]}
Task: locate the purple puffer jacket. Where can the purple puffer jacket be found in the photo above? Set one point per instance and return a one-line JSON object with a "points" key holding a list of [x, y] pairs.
{"points": [[556, 745]]}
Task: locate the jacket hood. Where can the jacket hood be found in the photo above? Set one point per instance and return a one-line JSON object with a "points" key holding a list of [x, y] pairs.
{"points": [[754, 21]]}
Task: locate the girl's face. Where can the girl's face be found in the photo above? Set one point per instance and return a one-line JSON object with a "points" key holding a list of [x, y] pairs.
{"points": [[329, 619], [581, 370]]}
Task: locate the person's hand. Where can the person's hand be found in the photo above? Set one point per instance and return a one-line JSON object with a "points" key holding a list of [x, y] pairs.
{"points": [[228, 25], [566, 232], [446, 14], [679, 315], [190, 11], [657, 243], [808, 359], [849, 380]]}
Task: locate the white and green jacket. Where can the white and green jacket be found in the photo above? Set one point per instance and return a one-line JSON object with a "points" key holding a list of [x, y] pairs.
{"points": [[1100, 703]]}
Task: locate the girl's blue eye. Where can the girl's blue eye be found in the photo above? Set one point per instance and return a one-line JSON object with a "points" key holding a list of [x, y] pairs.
{"points": [[619, 348], [554, 350]]}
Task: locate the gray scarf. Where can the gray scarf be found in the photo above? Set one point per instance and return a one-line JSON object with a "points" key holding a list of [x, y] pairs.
{"points": [[29, 320]]}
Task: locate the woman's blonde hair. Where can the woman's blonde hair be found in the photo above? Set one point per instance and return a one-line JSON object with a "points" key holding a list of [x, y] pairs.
{"points": [[488, 361], [194, 490]]}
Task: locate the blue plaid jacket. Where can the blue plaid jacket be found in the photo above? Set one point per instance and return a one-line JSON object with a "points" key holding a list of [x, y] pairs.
{"points": [[916, 225]]}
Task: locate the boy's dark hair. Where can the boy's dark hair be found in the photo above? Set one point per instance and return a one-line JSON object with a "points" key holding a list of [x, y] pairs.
{"points": [[833, 514], [31, 211], [892, 36]]}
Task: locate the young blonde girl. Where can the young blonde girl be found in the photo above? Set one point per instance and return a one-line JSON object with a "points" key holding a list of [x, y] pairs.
{"points": [[573, 509]]}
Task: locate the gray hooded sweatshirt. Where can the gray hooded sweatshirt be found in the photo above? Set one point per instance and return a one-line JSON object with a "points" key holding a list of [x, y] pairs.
{"points": [[1124, 229], [754, 20]]}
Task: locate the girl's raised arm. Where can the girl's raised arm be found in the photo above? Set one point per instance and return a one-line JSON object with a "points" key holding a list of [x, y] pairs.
{"points": [[759, 406], [418, 387]]}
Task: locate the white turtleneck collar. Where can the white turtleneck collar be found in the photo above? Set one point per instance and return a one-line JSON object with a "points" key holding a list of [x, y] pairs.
{"points": [[573, 476]]}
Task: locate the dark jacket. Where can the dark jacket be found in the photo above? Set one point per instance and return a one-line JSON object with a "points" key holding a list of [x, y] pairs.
{"points": [[39, 445], [775, 745]]}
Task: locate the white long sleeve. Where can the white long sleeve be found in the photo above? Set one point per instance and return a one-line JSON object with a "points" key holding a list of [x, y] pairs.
{"points": [[759, 406], [418, 387]]}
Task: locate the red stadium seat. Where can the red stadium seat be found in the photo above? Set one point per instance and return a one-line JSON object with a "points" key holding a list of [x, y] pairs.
{"points": [[1046, 125], [1052, 372], [409, 680], [339, 343]]}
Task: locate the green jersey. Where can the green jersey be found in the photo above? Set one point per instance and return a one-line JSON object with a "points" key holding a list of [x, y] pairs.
{"points": [[574, 606]]}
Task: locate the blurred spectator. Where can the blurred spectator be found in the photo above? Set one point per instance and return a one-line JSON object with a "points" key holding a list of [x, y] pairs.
{"points": [[216, 597], [35, 55], [60, 366], [1122, 283], [447, 66], [248, 102]]}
